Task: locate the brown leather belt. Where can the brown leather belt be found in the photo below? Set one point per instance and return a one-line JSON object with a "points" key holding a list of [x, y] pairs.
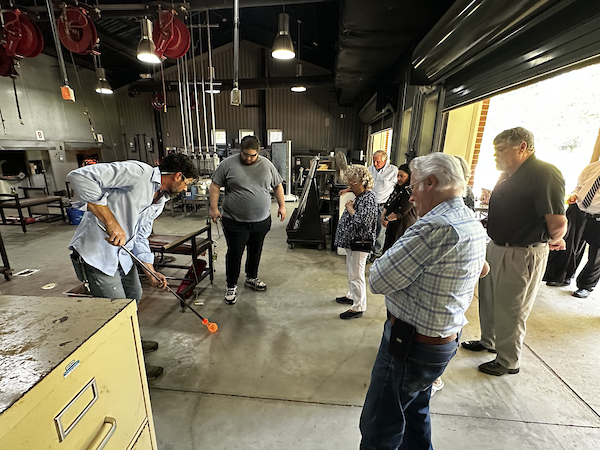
{"points": [[537, 244], [427, 339]]}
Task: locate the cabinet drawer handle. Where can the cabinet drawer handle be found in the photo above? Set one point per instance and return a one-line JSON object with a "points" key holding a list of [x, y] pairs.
{"points": [[99, 441], [58, 420]]}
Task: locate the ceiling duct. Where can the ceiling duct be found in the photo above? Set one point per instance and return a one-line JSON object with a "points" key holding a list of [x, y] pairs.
{"points": [[378, 106]]}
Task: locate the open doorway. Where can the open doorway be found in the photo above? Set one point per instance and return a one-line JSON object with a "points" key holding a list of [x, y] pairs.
{"points": [[381, 140], [562, 112]]}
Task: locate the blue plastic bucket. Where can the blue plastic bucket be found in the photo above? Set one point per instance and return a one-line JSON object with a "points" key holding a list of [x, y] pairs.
{"points": [[74, 215]]}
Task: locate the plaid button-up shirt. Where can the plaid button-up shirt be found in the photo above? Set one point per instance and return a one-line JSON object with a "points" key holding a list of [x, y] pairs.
{"points": [[429, 274]]}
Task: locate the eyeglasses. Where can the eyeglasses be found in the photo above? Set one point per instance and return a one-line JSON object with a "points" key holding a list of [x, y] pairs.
{"points": [[411, 187], [249, 155]]}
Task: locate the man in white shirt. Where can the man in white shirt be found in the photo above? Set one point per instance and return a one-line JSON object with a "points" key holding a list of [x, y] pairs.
{"points": [[584, 227], [384, 179]]}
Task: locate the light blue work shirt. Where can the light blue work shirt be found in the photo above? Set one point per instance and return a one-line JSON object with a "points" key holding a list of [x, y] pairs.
{"points": [[128, 189]]}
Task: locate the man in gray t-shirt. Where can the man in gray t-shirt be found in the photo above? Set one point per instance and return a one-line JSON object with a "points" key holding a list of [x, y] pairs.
{"points": [[248, 180]]}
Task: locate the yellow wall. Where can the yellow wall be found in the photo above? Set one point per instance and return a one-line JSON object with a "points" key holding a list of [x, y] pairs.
{"points": [[461, 131]]}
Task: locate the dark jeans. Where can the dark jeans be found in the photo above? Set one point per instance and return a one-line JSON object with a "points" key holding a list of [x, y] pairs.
{"points": [[119, 285], [241, 235], [396, 411]]}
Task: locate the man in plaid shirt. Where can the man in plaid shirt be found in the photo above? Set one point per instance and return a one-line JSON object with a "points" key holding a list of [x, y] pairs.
{"points": [[428, 277]]}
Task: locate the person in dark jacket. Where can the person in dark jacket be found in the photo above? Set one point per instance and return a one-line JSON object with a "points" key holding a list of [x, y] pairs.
{"points": [[399, 212], [358, 223]]}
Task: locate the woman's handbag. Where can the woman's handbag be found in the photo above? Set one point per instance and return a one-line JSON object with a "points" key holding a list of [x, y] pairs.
{"points": [[361, 245]]}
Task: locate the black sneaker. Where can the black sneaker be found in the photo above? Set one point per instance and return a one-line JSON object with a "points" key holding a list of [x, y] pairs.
{"points": [[153, 372], [344, 300], [149, 346]]}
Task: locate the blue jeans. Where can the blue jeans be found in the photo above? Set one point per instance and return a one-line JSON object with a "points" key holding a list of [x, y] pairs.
{"points": [[119, 285], [396, 411]]}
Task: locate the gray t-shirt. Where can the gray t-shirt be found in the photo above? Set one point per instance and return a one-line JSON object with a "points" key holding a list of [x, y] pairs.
{"points": [[247, 188]]}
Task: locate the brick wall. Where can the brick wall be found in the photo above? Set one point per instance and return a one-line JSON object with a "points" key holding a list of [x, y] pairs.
{"points": [[481, 126]]}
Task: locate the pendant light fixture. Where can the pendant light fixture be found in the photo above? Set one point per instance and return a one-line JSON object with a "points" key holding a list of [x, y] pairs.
{"points": [[103, 84], [298, 87], [283, 47], [146, 48]]}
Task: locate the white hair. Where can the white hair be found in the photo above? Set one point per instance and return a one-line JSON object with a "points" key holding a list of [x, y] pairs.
{"points": [[446, 169], [360, 174]]}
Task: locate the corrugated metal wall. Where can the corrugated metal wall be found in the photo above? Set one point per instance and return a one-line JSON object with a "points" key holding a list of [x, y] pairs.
{"points": [[137, 125], [312, 120]]}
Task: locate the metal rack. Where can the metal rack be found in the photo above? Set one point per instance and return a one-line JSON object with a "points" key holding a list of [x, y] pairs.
{"points": [[5, 269]]}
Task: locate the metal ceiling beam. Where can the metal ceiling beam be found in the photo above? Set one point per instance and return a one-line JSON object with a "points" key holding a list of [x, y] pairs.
{"points": [[141, 9], [318, 81]]}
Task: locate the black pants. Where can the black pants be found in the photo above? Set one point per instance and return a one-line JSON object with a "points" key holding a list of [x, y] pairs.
{"points": [[563, 264], [240, 236], [590, 274]]}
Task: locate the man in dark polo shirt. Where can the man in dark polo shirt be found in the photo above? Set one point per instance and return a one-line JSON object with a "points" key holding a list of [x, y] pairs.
{"points": [[526, 219]]}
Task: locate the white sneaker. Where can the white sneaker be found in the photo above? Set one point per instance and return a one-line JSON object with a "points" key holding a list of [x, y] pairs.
{"points": [[256, 284], [231, 295], [437, 385]]}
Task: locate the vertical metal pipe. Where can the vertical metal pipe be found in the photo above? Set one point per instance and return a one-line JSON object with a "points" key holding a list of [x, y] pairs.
{"points": [[190, 114], [188, 111], [196, 85], [61, 60], [211, 74], [236, 43], [181, 106], [203, 89]]}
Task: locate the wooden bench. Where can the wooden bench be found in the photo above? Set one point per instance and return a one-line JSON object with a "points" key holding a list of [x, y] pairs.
{"points": [[34, 197]]}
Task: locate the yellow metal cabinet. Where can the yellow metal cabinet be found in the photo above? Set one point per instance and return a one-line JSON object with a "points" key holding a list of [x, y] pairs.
{"points": [[72, 375], [144, 441]]}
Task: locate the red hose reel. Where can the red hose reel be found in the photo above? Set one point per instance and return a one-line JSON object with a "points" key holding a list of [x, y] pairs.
{"points": [[76, 30], [170, 35], [23, 39]]}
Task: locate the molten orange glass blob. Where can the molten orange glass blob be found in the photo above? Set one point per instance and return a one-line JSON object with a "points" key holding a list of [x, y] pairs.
{"points": [[212, 327]]}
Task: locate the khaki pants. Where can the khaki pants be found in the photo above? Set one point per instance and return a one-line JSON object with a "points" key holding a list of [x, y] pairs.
{"points": [[506, 297]]}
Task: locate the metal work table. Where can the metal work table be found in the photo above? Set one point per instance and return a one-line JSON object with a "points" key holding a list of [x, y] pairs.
{"points": [[12, 201]]}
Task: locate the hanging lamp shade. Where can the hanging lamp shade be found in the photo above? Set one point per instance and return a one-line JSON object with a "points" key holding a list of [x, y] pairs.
{"points": [[146, 48], [298, 87], [103, 84], [283, 47]]}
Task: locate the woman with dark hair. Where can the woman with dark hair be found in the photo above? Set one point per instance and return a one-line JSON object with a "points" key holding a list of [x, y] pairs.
{"points": [[398, 213]]}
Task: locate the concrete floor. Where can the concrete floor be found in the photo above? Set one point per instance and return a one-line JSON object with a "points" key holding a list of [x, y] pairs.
{"points": [[284, 372]]}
